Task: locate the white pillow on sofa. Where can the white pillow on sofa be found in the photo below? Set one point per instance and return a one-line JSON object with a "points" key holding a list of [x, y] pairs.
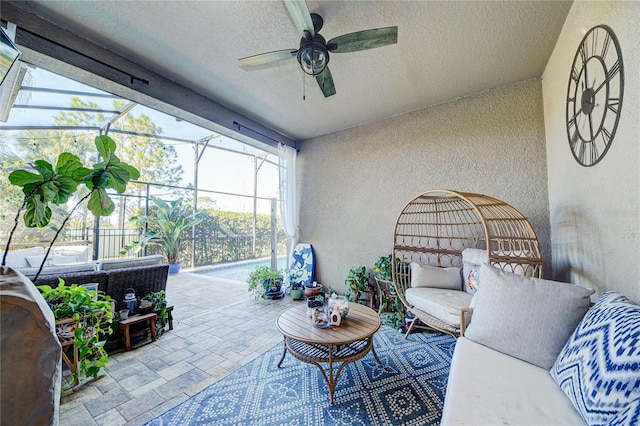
{"points": [[52, 260], [434, 277], [80, 253], [36, 261], [61, 260], [18, 258], [528, 318]]}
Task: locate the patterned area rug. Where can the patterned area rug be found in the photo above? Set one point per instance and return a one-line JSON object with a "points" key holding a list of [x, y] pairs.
{"points": [[408, 390]]}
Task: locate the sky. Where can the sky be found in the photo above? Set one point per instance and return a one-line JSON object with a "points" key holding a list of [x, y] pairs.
{"points": [[218, 170]]}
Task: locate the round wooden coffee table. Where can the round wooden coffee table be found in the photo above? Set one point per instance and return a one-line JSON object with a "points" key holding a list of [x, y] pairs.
{"points": [[352, 341]]}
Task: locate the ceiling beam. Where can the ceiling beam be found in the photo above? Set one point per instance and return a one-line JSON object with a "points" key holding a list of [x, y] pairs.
{"points": [[51, 47]]}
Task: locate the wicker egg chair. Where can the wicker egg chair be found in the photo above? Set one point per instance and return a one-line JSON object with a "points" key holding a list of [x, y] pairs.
{"points": [[436, 226]]}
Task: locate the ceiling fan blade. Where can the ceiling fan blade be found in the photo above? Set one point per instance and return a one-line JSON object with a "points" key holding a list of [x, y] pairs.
{"points": [[268, 58], [300, 15], [325, 81], [362, 40]]}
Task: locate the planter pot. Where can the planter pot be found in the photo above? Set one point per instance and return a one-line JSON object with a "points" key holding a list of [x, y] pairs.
{"points": [[296, 294], [174, 268], [312, 290], [274, 293]]}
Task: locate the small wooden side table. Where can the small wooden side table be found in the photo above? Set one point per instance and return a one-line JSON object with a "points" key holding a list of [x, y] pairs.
{"points": [[149, 321]]}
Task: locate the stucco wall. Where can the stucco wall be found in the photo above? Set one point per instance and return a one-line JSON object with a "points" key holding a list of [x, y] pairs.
{"points": [[594, 211], [357, 181]]}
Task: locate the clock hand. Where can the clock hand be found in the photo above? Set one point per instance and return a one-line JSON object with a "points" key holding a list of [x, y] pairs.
{"points": [[575, 115], [613, 71], [601, 86], [591, 126]]}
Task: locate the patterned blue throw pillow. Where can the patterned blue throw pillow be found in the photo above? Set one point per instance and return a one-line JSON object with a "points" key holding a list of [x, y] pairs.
{"points": [[630, 416], [599, 367]]}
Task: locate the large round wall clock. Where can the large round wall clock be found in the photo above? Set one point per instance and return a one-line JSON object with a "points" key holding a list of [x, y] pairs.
{"points": [[594, 95]]}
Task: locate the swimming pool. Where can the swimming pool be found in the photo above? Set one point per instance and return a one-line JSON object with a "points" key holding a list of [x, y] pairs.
{"points": [[239, 271]]}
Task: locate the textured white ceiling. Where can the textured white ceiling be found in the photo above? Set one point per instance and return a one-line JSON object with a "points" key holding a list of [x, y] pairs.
{"points": [[445, 50]]}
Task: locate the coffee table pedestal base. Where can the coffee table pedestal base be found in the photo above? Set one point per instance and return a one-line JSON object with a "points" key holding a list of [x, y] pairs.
{"points": [[313, 353]]}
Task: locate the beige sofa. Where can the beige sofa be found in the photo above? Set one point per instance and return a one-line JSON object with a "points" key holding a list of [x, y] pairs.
{"points": [[531, 356]]}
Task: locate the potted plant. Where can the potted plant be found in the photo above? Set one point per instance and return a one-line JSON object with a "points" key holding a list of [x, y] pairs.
{"points": [[389, 301], [357, 282], [265, 281], [165, 228], [45, 185], [295, 278], [158, 304], [382, 268], [83, 320]]}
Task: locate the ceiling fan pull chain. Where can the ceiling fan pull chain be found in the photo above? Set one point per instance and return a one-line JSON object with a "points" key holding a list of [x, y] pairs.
{"points": [[304, 86]]}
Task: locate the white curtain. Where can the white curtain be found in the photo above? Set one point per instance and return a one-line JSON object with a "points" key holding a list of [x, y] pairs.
{"points": [[288, 204]]}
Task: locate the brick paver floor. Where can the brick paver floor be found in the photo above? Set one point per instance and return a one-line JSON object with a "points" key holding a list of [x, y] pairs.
{"points": [[217, 329]]}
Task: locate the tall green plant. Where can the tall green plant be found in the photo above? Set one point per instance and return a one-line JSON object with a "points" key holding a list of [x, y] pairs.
{"points": [[171, 219], [45, 185]]}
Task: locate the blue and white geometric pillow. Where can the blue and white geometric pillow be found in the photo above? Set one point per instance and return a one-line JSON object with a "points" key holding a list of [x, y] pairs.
{"points": [[303, 264], [630, 416], [599, 367]]}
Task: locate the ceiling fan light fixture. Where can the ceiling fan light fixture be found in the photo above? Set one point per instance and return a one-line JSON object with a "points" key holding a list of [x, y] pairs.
{"points": [[313, 55]]}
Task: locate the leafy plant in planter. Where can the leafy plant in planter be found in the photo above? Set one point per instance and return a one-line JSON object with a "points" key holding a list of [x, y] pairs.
{"points": [[166, 226], [358, 281], [159, 305], [382, 271], [45, 185], [382, 268], [295, 279], [264, 279], [90, 318]]}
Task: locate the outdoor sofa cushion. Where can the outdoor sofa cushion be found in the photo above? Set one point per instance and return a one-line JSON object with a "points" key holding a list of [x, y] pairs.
{"points": [[486, 387], [528, 318], [121, 263], [18, 258], [443, 304], [435, 277]]}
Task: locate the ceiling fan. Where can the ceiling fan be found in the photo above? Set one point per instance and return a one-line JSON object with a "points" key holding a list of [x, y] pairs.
{"points": [[313, 53]]}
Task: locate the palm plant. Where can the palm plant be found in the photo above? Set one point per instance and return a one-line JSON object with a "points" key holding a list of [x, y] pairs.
{"points": [[165, 228]]}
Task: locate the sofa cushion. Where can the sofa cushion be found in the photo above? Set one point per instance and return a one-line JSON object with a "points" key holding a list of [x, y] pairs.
{"points": [[486, 387], [444, 304], [80, 253], [111, 264], [599, 367], [528, 318], [52, 260], [59, 260], [35, 261], [432, 276], [62, 269], [18, 258]]}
